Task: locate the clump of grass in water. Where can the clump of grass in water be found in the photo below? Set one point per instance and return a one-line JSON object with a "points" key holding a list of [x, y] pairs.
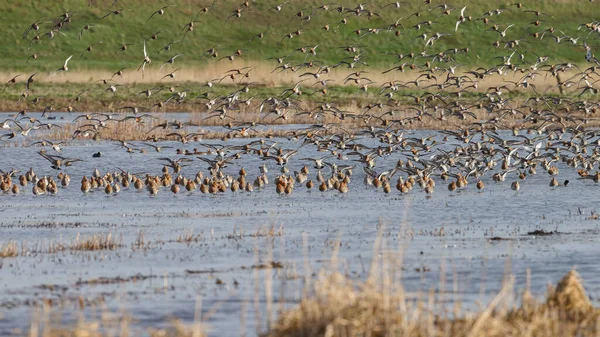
{"points": [[95, 242], [55, 247], [188, 237], [271, 231], [109, 324], [80, 243], [339, 306], [11, 249], [180, 329]]}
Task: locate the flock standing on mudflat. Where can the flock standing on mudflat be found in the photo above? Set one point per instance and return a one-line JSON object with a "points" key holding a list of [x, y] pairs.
{"points": [[548, 124]]}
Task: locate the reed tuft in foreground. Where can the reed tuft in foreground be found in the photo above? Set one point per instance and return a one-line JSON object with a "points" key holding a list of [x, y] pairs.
{"points": [[342, 307]]}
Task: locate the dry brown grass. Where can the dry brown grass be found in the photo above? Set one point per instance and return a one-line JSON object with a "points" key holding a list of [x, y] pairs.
{"points": [[95, 242], [262, 72], [180, 329], [339, 306], [268, 231], [263, 231], [10, 249], [188, 237], [101, 241], [47, 324]]}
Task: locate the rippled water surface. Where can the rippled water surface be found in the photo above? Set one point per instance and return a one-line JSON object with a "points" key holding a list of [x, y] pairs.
{"points": [[449, 231]]}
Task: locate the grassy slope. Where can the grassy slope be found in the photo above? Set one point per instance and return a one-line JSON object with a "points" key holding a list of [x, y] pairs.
{"points": [[131, 27]]}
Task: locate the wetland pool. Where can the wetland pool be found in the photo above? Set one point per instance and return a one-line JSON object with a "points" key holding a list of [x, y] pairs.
{"points": [[157, 273]]}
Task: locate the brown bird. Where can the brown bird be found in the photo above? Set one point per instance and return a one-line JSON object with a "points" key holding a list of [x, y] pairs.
{"points": [[323, 187], [309, 184]]}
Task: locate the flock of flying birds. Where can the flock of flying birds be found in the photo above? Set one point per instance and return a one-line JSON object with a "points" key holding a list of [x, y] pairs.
{"points": [[548, 126]]}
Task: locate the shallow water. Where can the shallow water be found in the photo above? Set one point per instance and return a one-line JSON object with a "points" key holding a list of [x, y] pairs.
{"points": [[448, 232]]}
